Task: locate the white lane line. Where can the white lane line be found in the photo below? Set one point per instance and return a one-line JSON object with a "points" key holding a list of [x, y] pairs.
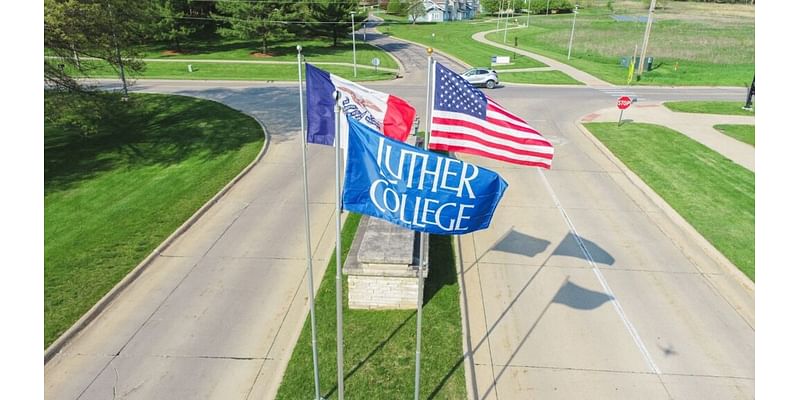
{"points": [[618, 307]]}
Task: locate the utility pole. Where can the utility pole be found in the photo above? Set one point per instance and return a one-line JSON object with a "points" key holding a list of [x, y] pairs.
{"points": [[572, 34], [646, 38], [505, 32], [353, 28], [499, 7]]}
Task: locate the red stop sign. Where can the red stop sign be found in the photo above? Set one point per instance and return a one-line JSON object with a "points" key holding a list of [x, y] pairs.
{"points": [[623, 102]]}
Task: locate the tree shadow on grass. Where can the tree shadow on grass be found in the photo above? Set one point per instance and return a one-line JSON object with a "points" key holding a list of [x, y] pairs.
{"points": [[274, 49], [86, 135]]}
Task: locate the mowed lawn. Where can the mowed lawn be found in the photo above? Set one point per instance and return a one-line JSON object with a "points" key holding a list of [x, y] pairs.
{"points": [[712, 193], [314, 50], [379, 346], [120, 177], [742, 133], [691, 43], [231, 71], [710, 107], [242, 60]]}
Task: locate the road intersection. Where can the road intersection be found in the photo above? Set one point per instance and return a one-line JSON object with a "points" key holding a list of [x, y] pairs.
{"points": [[585, 286]]}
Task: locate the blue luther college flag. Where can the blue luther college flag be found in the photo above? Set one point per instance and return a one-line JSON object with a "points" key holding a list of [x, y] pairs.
{"points": [[417, 189], [465, 120], [388, 114]]}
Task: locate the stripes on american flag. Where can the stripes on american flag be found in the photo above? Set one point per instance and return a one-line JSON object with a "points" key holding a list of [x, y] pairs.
{"points": [[465, 120]]}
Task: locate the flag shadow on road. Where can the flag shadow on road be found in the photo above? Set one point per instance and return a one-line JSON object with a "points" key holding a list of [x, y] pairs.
{"points": [[574, 246], [516, 242], [568, 294]]}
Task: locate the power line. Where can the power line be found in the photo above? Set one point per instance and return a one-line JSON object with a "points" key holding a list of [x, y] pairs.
{"points": [[223, 19], [284, 2]]}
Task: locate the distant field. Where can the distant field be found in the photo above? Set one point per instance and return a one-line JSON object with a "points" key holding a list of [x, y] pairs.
{"points": [[692, 43]]}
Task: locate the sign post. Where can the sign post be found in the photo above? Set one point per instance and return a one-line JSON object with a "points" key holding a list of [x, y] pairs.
{"points": [[622, 103], [376, 61]]}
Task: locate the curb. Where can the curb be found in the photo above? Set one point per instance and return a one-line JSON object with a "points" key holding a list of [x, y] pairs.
{"points": [[401, 69], [467, 352], [673, 215], [106, 300]]}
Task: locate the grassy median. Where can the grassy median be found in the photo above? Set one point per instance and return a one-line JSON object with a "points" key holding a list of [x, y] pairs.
{"points": [[710, 107], [742, 133], [122, 176], [712, 193], [379, 346]]}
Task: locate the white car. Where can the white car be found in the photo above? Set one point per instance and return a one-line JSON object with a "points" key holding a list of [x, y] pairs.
{"points": [[482, 77]]}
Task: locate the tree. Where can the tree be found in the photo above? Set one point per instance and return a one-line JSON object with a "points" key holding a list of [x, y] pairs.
{"points": [[171, 25], [103, 29], [394, 7], [332, 18], [416, 9], [263, 21], [490, 6]]}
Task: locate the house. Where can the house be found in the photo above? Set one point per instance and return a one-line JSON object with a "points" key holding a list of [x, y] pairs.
{"points": [[448, 10]]}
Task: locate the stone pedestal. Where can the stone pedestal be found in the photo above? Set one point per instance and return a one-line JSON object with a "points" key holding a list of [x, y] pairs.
{"points": [[382, 266]]}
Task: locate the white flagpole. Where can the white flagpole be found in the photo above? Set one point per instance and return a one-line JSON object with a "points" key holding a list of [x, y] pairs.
{"points": [[309, 263], [339, 323], [423, 256]]}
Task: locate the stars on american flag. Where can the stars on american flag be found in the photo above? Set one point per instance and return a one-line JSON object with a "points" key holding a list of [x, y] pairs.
{"points": [[455, 94]]}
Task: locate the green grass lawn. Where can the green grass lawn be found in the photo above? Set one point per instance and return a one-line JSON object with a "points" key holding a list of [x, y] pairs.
{"points": [[742, 133], [690, 47], [232, 71], [711, 192], [379, 346], [710, 107], [539, 77], [313, 51], [121, 177]]}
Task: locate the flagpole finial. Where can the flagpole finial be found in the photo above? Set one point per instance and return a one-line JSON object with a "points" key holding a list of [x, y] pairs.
{"points": [[430, 50]]}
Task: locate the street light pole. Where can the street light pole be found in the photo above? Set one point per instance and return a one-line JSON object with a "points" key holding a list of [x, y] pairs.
{"points": [[528, 6], [646, 37], [353, 28], [499, 7], [572, 34]]}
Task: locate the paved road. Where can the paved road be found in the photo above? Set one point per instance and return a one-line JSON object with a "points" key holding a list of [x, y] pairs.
{"points": [[582, 288], [218, 312]]}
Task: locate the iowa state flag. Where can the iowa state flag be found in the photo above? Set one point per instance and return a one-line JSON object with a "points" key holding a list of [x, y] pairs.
{"points": [[385, 113]]}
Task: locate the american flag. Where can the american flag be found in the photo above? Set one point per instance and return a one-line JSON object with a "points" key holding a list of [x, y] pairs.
{"points": [[465, 120]]}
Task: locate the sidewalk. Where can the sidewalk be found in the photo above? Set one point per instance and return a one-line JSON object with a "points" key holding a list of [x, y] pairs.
{"points": [[699, 127]]}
